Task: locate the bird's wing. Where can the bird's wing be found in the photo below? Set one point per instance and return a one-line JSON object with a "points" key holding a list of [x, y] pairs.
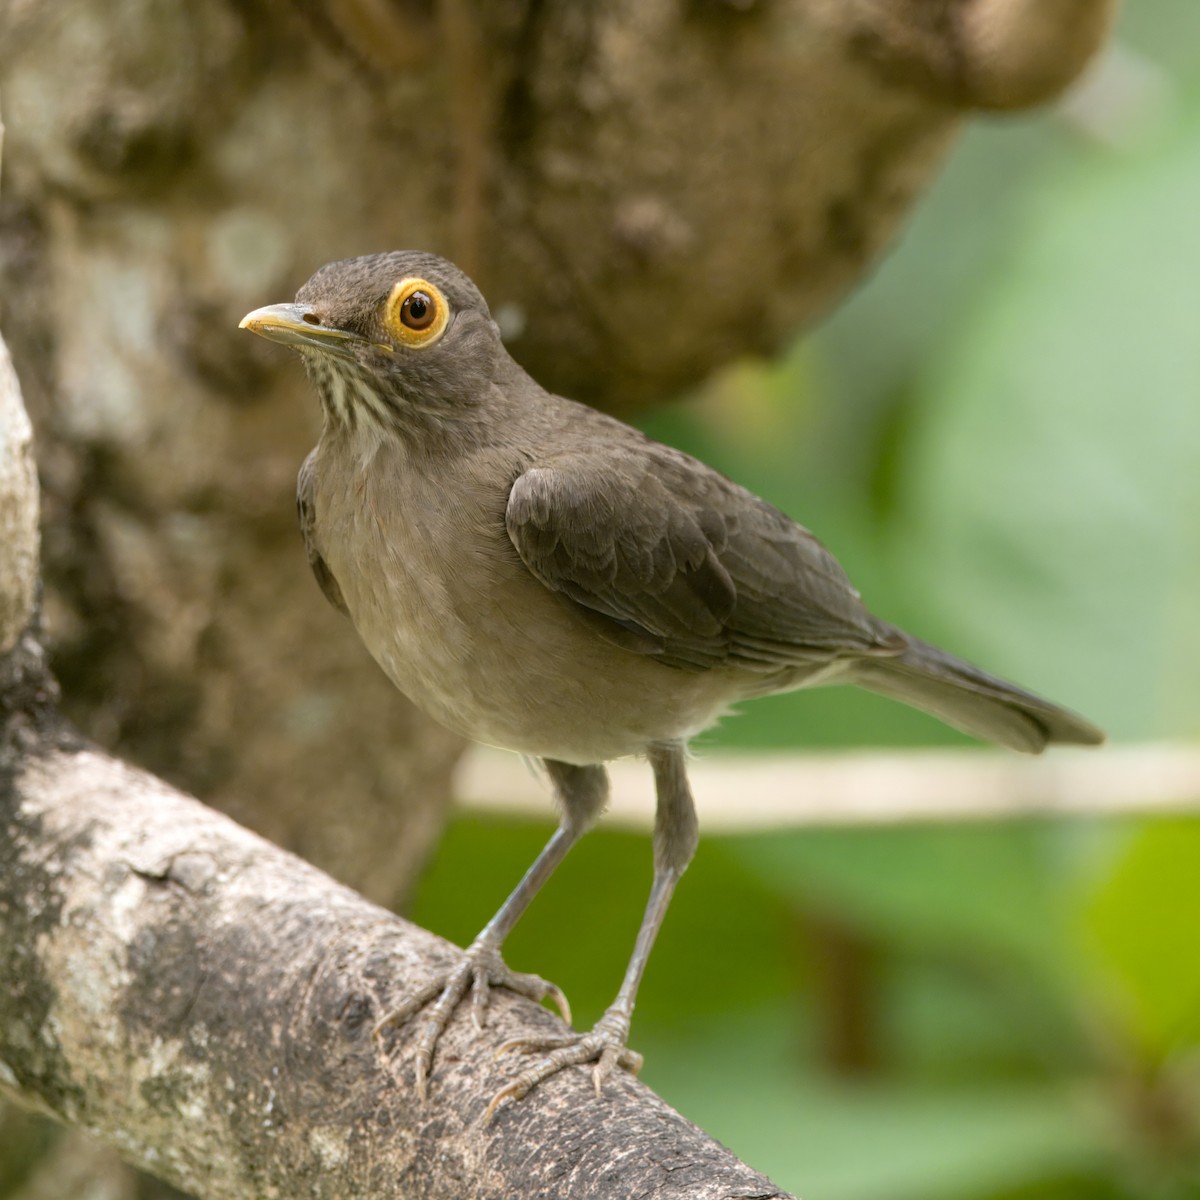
{"points": [[667, 557], [307, 517]]}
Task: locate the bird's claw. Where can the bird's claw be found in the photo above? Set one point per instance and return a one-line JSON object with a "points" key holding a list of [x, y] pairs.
{"points": [[603, 1045], [481, 968]]}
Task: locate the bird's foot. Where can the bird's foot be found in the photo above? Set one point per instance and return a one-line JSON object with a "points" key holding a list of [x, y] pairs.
{"points": [[480, 969], [603, 1045]]}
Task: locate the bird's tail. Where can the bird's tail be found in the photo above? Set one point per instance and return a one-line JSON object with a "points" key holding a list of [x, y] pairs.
{"points": [[971, 700]]}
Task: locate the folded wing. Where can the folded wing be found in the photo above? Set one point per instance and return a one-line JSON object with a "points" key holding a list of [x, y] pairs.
{"points": [[666, 557]]}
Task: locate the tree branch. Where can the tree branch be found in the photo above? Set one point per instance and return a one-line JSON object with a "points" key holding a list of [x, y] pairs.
{"points": [[204, 1002], [742, 793]]}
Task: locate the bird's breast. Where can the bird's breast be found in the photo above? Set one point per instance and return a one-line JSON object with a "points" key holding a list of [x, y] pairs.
{"points": [[444, 604]]}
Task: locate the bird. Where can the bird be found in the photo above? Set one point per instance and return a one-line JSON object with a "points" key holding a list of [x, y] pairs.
{"points": [[539, 576]]}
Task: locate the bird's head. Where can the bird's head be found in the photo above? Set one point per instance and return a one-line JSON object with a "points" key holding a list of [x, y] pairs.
{"points": [[389, 340]]}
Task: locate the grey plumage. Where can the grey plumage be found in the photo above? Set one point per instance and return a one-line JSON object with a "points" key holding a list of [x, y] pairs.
{"points": [[540, 576]]}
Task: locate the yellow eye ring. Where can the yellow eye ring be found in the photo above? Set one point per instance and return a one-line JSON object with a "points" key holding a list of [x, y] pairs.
{"points": [[416, 313]]}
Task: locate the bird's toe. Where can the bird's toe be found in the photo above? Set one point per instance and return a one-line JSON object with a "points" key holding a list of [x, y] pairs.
{"points": [[604, 1045], [479, 970]]}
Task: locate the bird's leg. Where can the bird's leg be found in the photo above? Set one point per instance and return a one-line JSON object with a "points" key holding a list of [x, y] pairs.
{"points": [[675, 837], [582, 793]]}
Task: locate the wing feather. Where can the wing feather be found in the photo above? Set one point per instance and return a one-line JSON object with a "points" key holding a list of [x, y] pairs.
{"points": [[307, 518], [667, 557]]}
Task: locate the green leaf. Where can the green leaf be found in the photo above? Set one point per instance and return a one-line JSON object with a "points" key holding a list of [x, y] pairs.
{"points": [[1143, 930]]}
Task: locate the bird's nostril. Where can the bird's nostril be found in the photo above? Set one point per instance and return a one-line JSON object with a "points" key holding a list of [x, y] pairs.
{"points": [[311, 319]]}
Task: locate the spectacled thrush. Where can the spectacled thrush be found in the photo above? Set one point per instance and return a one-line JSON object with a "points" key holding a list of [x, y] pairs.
{"points": [[539, 576]]}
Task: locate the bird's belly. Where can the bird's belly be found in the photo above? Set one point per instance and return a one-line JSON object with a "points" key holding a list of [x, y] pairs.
{"points": [[492, 654]]}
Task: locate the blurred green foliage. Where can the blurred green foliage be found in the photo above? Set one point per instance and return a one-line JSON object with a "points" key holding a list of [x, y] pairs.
{"points": [[1000, 438]]}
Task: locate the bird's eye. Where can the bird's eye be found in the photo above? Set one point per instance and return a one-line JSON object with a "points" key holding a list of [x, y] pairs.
{"points": [[416, 313]]}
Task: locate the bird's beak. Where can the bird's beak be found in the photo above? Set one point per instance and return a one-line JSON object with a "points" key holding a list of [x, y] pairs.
{"points": [[296, 325]]}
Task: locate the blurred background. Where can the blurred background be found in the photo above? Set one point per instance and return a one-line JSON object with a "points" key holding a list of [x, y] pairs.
{"points": [[999, 436], [998, 433]]}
